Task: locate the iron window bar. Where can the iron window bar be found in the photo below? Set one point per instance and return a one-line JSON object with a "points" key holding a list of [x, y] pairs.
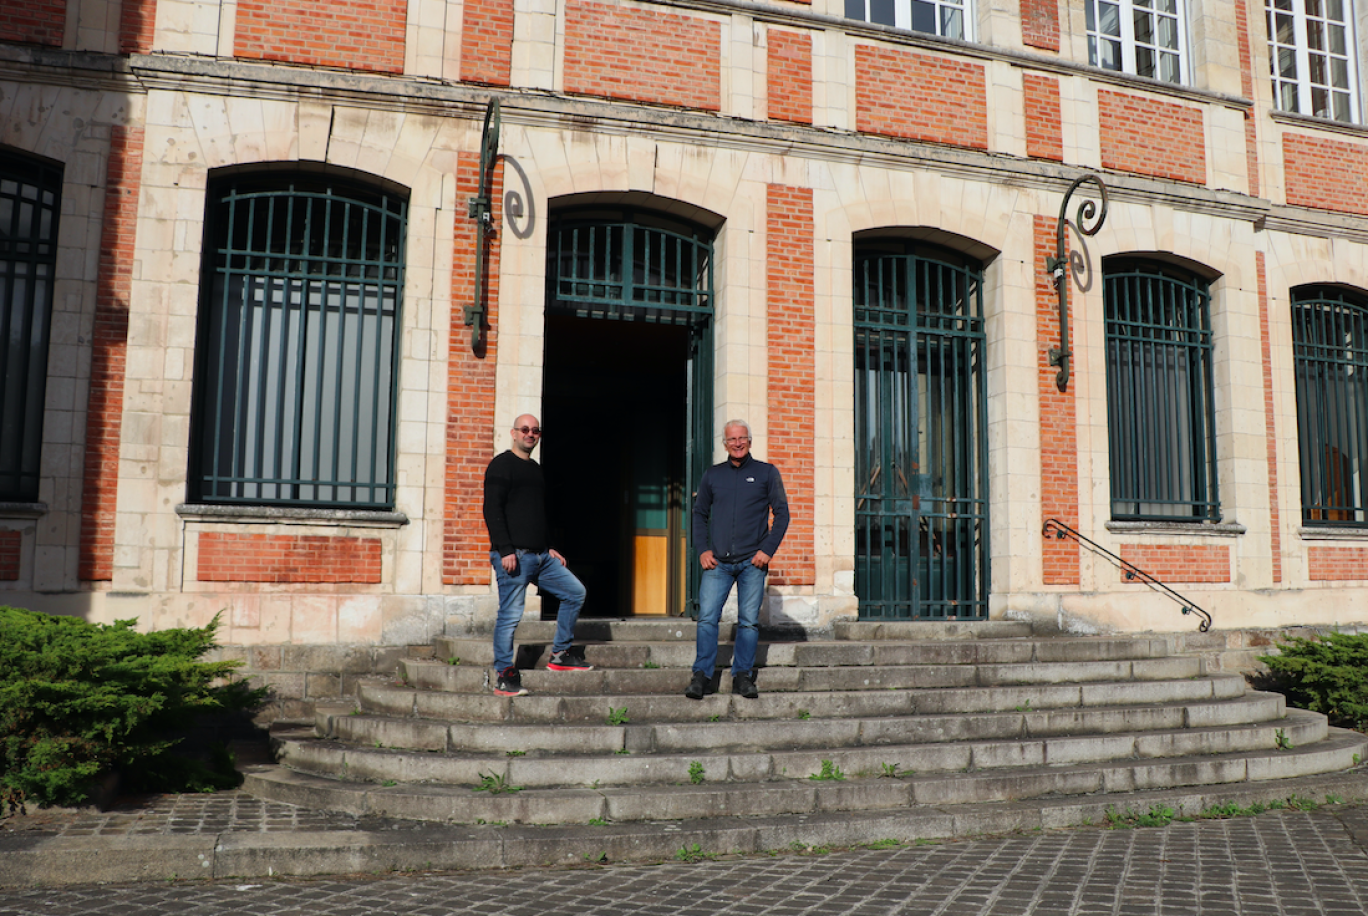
{"points": [[1130, 570]]}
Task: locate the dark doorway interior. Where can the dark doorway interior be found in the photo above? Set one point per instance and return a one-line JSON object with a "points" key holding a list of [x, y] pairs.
{"points": [[615, 405]]}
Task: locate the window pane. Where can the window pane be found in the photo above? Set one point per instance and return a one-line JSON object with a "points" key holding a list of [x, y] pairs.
{"points": [[952, 22], [1338, 43], [1287, 63], [1144, 28], [1170, 68], [1286, 30], [923, 17], [882, 12], [1144, 62], [1110, 23]]}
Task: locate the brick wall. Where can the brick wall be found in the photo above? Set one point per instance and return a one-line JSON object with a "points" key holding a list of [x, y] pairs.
{"points": [[1040, 24], [1172, 563], [353, 34], [10, 544], [487, 41], [1332, 563], [39, 22], [1044, 135], [287, 558], [1153, 138], [1270, 439], [108, 349], [792, 369], [470, 390], [1247, 90], [789, 76], [137, 26], [1326, 174], [920, 97], [1058, 423], [643, 55]]}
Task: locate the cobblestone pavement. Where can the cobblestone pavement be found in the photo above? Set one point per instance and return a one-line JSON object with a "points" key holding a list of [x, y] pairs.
{"points": [[1285, 863]]}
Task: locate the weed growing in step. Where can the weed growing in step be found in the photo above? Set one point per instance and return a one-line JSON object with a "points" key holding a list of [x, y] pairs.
{"points": [[1281, 741], [1024, 707], [495, 784], [598, 822], [454, 660], [622, 751], [515, 753], [389, 783], [804, 714], [1334, 800], [887, 843], [891, 771], [484, 823], [1156, 816], [597, 858], [617, 716], [650, 665], [829, 771], [718, 718], [695, 772], [693, 853]]}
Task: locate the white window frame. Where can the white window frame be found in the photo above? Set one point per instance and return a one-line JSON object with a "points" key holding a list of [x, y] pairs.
{"points": [[1167, 41], [1296, 91], [944, 11]]}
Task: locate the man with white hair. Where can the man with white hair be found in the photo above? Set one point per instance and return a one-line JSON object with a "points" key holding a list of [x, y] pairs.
{"points": [[731, 522]]}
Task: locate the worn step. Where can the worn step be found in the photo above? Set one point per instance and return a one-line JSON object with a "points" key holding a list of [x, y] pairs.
{"points": [[869, 630], [530, 653], [429, 787], [805, 731], [619, 756]]}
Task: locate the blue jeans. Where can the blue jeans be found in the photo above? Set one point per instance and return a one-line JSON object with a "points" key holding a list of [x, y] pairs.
{"points": [[547, 573], [712, 594]]}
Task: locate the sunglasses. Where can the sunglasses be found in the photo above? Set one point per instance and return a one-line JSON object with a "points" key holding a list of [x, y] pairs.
{"points": [[528, 430]]}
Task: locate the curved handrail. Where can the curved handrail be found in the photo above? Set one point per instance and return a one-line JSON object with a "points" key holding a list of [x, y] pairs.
{"points": [[1132, 571]]}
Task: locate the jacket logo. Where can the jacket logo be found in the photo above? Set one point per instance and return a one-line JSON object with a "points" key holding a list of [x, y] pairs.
{"points": [[750, 480]]}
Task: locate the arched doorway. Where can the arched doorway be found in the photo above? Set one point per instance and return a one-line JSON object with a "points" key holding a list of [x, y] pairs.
{"points": [[627, 401], [921, 461]]}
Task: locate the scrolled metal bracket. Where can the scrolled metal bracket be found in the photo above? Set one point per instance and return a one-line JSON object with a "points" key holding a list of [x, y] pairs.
{"points": [[481, 209], [1089, 220]]}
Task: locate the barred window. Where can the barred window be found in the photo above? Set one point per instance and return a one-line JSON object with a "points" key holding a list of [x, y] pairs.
{"points": [[30, 198], [298, 343], [946, 18], [1311, 57], [1330, 345], [1144, 37], [1160, 415]]}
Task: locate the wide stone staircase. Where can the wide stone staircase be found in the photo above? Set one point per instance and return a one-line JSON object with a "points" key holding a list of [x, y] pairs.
{"points": [[906, 731]]}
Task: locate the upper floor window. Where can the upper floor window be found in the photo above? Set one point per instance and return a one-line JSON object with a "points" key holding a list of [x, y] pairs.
{"points": [[1144, 37], [1311, 55], [30, 198], [1160, 410], [946, 18], [1330, 348], [298, 343]]}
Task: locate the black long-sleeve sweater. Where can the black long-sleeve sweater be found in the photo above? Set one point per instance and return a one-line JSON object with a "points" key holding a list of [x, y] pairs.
{"points": [[515, 505]]}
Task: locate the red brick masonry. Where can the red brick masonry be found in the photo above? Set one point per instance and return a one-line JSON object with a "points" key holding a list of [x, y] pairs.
{"points": [[284, 558]]}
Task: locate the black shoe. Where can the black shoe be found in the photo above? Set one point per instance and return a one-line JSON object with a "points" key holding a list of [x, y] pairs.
{"points": [[698, 687], [509, 683], [744, 684], [569, 660]]}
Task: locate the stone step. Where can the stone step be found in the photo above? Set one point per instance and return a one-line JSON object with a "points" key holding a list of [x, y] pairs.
{"points": [[533, 653], [666, 629], [559, 737], [379, 750], [871, 630], [458, 694], [432, 674], [452, 798]]}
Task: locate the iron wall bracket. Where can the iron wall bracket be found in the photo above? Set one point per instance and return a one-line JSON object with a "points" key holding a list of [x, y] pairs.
{"points": [[1058, 266], [481, 209]]}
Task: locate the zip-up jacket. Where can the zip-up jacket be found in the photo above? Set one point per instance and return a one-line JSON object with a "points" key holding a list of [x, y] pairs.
{"points": [[731, 513]]}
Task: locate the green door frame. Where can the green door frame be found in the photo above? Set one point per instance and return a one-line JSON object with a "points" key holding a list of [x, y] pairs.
{"points": [[671, 282]]}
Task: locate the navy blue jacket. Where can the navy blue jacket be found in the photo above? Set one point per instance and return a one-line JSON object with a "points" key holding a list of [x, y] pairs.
{"points": [[732, 509]]}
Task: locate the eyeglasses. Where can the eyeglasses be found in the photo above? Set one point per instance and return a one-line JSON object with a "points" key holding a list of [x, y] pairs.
{"points": [[528, 430], [737, 440]]}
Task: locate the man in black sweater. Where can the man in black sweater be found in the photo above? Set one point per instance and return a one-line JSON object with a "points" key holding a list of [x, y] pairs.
{"points": [[515, 514], [731, 523]]}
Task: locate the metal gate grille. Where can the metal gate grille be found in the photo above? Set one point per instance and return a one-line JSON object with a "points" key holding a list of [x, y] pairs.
{"points": [[299, 344], [1330, 338], [30, 194], [921, 470], [1159, 395]]}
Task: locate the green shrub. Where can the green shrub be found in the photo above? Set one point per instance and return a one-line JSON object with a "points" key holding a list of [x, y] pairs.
{"points": [[1327, 675], [78, 700]]}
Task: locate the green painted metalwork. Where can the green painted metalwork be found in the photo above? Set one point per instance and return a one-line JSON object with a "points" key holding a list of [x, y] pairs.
{"points": [[1160, 413], [1059, 264], [634, 265], [481, 209], [1330, 345], [921, 466], [30, 206], [299, 344]]}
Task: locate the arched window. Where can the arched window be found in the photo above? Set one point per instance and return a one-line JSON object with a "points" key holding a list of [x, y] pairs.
{"points": [[1330, 345], [921, 460], [298, 342], [30, 201], [1160, 416]]}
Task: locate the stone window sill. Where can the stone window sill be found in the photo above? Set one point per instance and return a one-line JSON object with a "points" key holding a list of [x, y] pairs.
{"points": [[1332, 534], [288, 515], [1182, 529], [23, 510]]}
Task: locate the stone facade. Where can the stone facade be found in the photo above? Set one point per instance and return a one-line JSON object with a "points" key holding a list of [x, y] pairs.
{"points": [[786, 131]]}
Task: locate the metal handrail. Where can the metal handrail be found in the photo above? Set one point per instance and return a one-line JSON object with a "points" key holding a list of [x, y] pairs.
{"points": [[1131, 571]]}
